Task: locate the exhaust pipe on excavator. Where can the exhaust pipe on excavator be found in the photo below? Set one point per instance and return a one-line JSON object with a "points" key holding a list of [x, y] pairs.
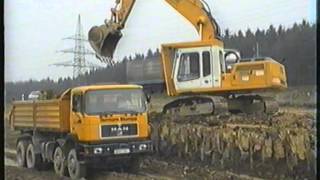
{"points": [[104, 39]]}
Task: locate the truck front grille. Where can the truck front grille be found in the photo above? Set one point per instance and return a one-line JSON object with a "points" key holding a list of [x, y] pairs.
{"points": [[119, 130]]}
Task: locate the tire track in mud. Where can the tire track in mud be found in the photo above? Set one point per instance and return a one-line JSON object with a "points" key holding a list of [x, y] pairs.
{"points": [[143, 174], [10, 161]]}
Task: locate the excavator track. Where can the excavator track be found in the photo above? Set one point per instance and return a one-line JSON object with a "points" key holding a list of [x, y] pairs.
{"points": [[214, 105], [271, 105], [196, 105], [250, 104]]}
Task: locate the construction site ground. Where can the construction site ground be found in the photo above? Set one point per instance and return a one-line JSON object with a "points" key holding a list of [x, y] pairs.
{"points": [[164, 167]]}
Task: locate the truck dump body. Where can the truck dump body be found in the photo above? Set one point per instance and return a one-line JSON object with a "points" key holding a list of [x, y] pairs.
{"points": [[143, 72], [45, 115]]}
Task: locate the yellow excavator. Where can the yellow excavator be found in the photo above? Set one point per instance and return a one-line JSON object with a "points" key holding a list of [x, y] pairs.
{"points": [[207, 78]]}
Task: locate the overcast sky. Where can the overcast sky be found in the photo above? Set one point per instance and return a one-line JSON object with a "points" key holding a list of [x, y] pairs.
{"points": [[34, 28]]}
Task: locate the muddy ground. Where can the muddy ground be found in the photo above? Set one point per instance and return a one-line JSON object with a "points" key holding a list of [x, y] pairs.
{"points": [[153, 167]]}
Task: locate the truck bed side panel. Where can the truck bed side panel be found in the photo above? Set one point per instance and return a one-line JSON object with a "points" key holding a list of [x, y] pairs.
{"points": [[46, 115], [23, 115]]}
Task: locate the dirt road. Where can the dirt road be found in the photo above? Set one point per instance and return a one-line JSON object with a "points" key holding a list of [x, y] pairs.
{"points": [[151, 169]]}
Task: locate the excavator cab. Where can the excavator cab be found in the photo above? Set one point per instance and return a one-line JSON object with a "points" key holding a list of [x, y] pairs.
{"points": [[198, 68], [206, 68]]}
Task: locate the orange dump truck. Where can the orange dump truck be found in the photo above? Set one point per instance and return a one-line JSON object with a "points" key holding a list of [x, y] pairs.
{"points": [[86, 125]]}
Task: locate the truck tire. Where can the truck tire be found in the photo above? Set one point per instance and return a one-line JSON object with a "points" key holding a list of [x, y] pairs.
{"points": [[21, 153], [33, 160], [59, 162], [75, 169]]}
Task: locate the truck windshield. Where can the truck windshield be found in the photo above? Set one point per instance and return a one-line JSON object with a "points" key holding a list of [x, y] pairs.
{"points": [[115, 101]]}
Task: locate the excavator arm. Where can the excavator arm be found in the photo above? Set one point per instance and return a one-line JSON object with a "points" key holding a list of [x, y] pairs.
{"points": [[104, 38], [120, 16]]}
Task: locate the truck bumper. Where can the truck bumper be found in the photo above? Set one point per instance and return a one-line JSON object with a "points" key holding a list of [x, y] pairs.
{"points": [[87, 152]]}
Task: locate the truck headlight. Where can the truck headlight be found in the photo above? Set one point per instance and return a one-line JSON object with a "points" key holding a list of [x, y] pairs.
{"points": [[97, 150], [142, 147]]}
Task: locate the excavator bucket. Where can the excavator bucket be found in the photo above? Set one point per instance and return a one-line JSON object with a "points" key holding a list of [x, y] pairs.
{"points": [[104, 39]]}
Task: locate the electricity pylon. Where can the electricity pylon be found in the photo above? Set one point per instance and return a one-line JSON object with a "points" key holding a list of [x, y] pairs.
{"points": [[79, 63]]}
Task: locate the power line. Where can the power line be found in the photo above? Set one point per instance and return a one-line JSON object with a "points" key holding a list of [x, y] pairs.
{"points": [[79, 63]]}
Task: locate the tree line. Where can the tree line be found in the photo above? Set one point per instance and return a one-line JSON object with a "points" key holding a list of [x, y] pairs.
{"points": [[295, 47]]}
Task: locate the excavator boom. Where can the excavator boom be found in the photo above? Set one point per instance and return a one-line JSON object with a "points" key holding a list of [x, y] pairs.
{"points": [[198, 13], [104, 38]]}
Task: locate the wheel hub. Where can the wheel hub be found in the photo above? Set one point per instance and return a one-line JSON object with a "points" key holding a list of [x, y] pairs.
{"points": [[58, 160], [72, 164]]}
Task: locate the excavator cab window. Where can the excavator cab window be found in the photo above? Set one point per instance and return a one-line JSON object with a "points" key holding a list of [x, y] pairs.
{"points": [[222, 62], [206, 64], [189, 67]]}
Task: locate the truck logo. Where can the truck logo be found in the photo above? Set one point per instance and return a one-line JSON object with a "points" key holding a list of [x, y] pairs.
{"points": [[119, 130]]}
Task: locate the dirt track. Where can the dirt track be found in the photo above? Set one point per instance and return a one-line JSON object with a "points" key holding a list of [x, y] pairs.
{"points": [[151, 169]]}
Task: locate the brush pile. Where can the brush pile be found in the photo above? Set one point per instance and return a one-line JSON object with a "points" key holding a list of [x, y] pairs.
{"points": [[282, 143]]}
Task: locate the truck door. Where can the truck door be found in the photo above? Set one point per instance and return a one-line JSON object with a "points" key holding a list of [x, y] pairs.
{"points": [[76, 115]]}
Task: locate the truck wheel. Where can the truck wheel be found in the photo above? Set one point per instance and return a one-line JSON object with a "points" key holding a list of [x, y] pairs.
{"points": [[75, 169], [21, 153], [59, 162], [33, 160]]}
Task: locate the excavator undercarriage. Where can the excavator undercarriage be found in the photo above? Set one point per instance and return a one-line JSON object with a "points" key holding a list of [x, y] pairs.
{"points": [[214, 105]]}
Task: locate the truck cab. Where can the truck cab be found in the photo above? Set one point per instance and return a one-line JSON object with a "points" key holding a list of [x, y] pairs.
{"points": [[110, 120], [86, 125]]}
